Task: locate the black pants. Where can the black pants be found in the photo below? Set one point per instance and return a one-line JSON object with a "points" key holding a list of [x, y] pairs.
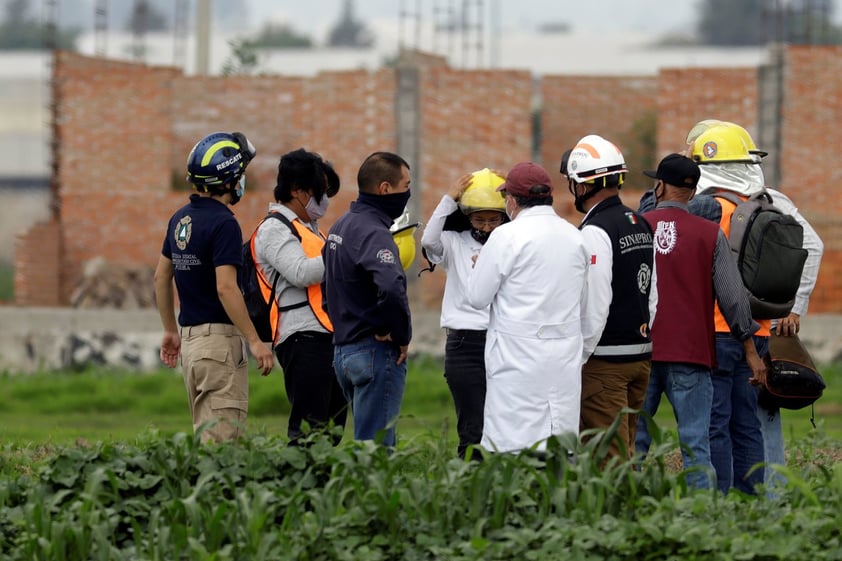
{"points": [[464, 370], [310, 381]]}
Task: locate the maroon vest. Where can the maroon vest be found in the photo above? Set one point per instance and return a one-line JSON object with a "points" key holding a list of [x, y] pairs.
{"points": [[683, 330]]}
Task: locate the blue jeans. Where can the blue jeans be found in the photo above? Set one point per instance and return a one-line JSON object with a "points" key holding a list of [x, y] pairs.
{"points": [[373, 384], [688, 388], [773, 445], [736, 443]]}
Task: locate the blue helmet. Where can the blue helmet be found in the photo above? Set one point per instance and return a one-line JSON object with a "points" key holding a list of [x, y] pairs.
{"points": [[219, 159]]}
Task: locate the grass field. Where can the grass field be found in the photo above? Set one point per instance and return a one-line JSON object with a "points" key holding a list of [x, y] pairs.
{"points": [[63, 408]]}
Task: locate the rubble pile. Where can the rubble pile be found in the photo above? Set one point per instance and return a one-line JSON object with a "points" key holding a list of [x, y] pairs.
{"points": [[123, 287]]}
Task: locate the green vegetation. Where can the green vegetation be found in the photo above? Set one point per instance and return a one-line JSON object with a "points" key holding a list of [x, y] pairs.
{"points": [[172, 498], [103, 465], [61, 408]]}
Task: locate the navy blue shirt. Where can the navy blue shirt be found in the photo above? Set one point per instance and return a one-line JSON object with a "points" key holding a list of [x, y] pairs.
{"points": [[365, 284], [201, 236]]}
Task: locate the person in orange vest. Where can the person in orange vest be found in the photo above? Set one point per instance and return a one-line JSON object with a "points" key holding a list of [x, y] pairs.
{"points": [[726, 163], [288, 253]]}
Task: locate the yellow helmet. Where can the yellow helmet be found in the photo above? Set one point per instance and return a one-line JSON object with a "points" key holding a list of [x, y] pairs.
{"points": [[482, 193], [702, 126], [699, 128], [721, 144], [404, 235]]}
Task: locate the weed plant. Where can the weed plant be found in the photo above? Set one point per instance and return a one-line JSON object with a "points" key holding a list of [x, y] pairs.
{"points": [[174, 498]]}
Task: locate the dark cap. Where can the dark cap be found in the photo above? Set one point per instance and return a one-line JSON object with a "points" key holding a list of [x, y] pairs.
{"points": [[676, 170], [523, 177]]}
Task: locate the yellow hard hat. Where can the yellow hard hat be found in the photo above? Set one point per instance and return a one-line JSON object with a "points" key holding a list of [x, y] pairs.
{"points": [[702, 126], [699, 128], [721, 144], [403, 232], [482, 193], [405, 240]]}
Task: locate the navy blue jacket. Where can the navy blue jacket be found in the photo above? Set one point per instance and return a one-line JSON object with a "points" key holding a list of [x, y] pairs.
{"points": [[365, 284]]}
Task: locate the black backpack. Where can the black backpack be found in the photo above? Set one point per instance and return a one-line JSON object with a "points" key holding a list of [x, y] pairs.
{"points": [[252, 281], [768, 246]]}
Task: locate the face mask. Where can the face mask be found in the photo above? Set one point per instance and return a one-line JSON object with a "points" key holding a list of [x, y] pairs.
{"points": [[510, 213], [479, 235], [655, 192], [394, 204], [316, 210], [238, 192]]}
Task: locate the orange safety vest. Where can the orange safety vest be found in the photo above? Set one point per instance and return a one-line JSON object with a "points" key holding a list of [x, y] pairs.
{"points": [[721, 325], [312, 245]]}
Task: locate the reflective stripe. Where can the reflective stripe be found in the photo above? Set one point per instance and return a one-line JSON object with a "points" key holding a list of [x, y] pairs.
{"points": [[620, 350]]}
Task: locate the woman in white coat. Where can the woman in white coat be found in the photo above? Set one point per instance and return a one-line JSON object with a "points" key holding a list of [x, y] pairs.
{"points": [[532, 272]]}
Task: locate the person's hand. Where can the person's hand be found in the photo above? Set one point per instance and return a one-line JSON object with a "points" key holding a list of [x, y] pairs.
{"points": [[459, 187], [264, 356], [788, 326], [757, 366], [402, 356], [403, 348], [170, 348]]}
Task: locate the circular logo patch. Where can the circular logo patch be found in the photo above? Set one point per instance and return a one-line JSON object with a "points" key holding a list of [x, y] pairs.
{"points": [[386, 256], [710, 149]]}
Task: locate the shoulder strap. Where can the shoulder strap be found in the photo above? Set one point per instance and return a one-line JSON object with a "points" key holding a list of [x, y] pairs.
{"points": [[729, 196], [283, 219], [292, 228]]}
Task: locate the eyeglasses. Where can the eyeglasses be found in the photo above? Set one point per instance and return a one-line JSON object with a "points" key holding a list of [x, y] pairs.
{"points": [[493, 222]]}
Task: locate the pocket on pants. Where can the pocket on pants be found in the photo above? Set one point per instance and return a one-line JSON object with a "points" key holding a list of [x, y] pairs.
{"points": [[359, 366], [686, 380], [218, 403]]}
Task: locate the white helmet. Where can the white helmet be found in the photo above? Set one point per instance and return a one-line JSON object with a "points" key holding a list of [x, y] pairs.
{"points": [[594, 157]]}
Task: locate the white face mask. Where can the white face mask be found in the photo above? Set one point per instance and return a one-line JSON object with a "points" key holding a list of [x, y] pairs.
{"points": [[510, 213], [241, 188], [316, 210]]}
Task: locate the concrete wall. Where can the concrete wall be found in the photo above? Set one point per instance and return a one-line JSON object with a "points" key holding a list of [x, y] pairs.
{"points": [[66, 339]]}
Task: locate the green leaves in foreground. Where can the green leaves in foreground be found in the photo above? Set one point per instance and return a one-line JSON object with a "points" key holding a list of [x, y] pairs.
{"points": [[165, 499]]}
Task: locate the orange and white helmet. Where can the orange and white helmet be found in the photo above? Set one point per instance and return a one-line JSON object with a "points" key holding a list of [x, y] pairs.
{"points": [[594, 157]]}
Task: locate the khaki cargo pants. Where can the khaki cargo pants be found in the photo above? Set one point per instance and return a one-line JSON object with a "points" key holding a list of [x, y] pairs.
{"points": [[215, 365]]}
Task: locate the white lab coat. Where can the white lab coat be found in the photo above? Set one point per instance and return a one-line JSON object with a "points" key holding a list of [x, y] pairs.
{"points": [[532, 271]]}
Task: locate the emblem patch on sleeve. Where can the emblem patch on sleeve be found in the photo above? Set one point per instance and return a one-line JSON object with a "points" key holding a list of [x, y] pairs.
{"points": [[386, 256]]}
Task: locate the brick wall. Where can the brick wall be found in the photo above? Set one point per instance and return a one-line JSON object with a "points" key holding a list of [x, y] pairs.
{"points": [[811, 141], [38, 265], [125, 130]]}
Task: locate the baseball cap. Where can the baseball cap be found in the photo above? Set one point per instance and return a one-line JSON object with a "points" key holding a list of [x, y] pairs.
{"points": [[523, 177], [676, 170]]}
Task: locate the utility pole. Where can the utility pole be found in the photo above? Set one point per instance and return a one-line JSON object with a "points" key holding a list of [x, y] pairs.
{"points": [[203, 17]]}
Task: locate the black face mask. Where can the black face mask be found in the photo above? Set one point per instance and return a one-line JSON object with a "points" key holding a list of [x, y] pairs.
{"points": [[392, 204], [579, 200], [479, 235]]}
